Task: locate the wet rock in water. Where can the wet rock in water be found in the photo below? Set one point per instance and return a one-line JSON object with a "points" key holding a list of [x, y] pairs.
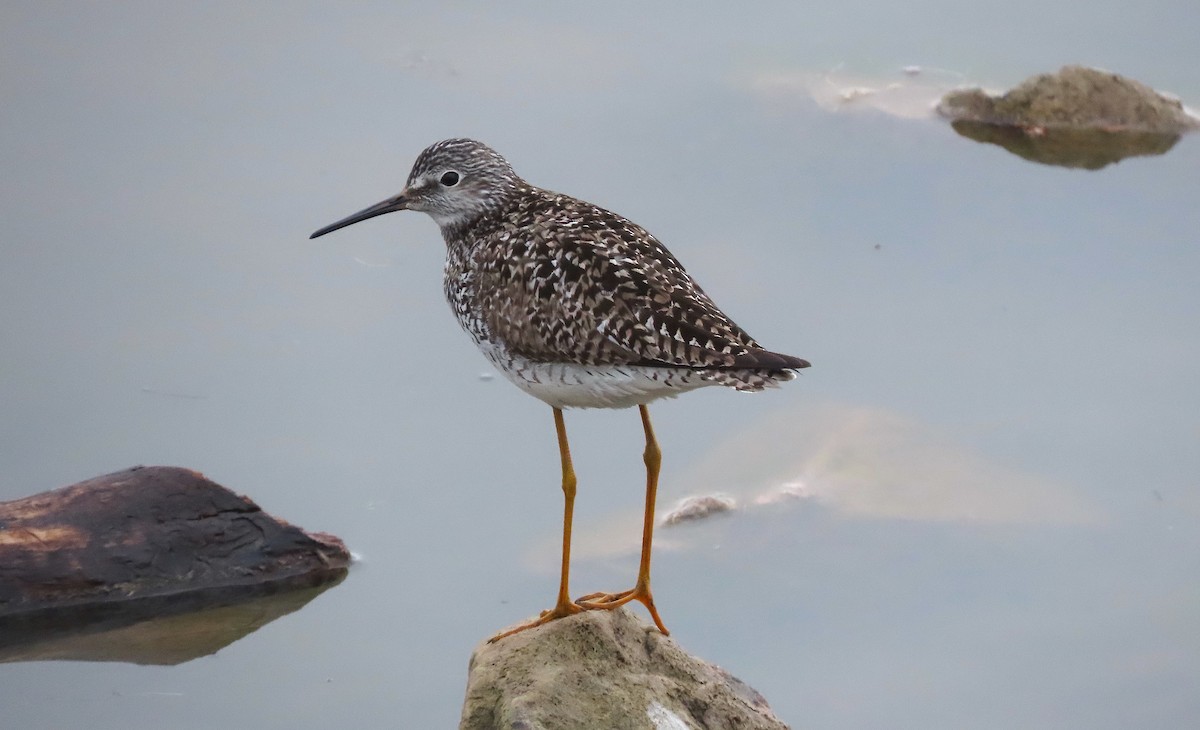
{"points": [[1078, 117], [604, 669], [698, 507], [143, 543], [1076, 97]]}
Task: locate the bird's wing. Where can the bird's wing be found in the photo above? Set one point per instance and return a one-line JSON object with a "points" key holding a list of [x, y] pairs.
{"points": [[601, 290], [661, 314]]}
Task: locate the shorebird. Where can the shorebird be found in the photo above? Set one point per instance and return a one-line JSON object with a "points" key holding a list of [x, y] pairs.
{"points": [[580, 308]]}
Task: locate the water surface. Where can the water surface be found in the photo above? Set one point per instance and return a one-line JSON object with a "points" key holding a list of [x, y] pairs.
{"points": [[995, 452]]}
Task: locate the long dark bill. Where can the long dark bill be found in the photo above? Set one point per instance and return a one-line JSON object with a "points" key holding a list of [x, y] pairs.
{"points": [[390, 205]]}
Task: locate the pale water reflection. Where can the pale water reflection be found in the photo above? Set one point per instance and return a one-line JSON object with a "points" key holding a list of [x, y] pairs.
{"points": [[998, 436], [856, 463], [173, 636]]}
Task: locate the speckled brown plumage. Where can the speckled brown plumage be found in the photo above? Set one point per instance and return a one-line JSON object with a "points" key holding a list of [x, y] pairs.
{"points": [[578, 307], [547, 278]]}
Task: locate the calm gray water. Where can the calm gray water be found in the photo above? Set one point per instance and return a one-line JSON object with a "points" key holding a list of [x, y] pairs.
{"points": [[996, 449]]}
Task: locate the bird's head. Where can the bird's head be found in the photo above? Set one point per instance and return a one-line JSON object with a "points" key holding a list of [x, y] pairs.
{"points": [[454, 181]]}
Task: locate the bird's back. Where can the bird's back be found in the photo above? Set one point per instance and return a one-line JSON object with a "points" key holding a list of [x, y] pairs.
{"points": [[552, 279]]}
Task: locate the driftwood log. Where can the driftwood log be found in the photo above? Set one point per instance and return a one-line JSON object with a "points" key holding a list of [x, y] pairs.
{"points": [[147, 542]]}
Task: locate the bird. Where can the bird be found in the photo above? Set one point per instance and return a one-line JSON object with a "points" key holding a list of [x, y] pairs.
{"points": [[579, 307]]}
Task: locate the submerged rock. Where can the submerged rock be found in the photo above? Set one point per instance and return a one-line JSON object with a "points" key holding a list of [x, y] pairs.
{"points": [[1078, 117], [697, 507], [604, 669]]}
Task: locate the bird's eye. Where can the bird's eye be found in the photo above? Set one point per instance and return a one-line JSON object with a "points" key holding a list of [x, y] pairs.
{"points": [[450, 178]]}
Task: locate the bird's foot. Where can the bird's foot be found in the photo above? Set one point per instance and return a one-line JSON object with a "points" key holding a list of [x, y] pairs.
{"points": [[564, 608], [609, 601]]}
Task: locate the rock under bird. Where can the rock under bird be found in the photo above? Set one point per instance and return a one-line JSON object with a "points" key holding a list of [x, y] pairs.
{"points": [[580, 308]]}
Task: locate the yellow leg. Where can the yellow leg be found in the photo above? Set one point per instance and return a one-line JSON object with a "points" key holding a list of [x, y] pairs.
{"points": [[641, 590], [563, 606]]}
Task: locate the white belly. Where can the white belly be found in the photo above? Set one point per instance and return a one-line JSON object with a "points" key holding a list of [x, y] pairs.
{"points": [[564, 385]]}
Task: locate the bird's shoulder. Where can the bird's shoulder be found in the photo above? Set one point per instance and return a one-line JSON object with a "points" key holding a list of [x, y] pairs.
{"points": [[544, 224]]}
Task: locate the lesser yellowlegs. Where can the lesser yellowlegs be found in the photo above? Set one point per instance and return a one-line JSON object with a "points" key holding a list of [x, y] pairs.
{"points": [[578, 307]]}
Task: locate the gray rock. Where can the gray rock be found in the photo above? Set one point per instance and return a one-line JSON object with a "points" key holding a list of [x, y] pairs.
{"points": [[604, 670]]}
